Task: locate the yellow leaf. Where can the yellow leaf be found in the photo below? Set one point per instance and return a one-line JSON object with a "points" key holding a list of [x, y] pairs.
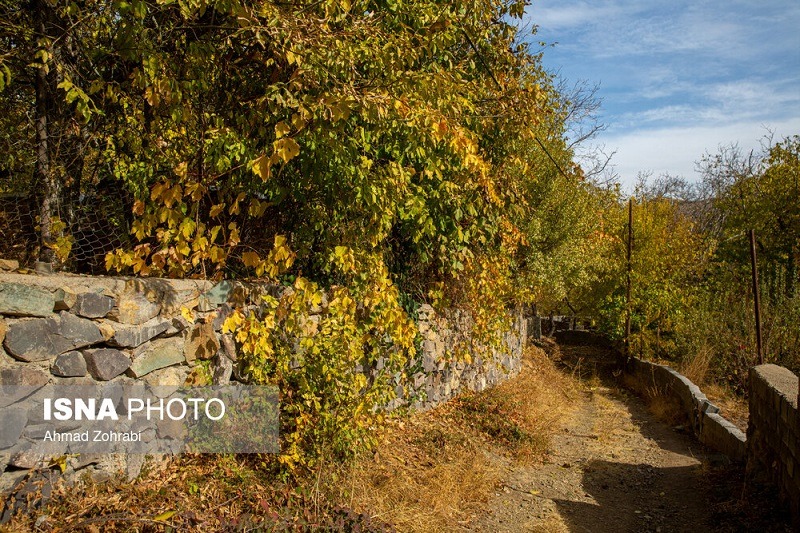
{"points": [[216, 209], [200, 244], [182, 169], [163, 517], [257, 208], [234, 210], [281, 129], [214, 232], [60, 461], [196, 191], [157, 190], [250, 259], [440, 129], [233, 236], [341, 111], [182, 247], [262, 167], [298, 122], [187, 227], [111, 261], [232, 323], [138, 208], [188, 314], [216, 254], [287, 149]]}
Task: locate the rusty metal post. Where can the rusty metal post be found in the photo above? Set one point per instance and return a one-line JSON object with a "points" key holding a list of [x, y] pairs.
{"points": [[628, 285], [756, 298]]}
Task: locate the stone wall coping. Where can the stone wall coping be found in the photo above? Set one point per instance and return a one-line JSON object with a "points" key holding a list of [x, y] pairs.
{"points": [[781, 379], [710, 427], [113, 284], [728, 426]]}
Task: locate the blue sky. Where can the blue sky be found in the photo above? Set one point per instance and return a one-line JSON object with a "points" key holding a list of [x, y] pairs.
{"points": [[678, 79]]}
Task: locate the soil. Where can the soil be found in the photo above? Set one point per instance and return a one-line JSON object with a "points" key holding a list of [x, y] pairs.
{"points": [[734, 408], [613, 467]]}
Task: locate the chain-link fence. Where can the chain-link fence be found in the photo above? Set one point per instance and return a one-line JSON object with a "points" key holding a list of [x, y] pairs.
{"points": [[97, 222]]}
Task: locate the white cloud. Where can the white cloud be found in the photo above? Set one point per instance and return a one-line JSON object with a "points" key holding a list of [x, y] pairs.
{"points": [[679, 78], [730, 30], [712, 104], [756, 97], [675, 150], [620, 28], [558, 16], [668, 113]]}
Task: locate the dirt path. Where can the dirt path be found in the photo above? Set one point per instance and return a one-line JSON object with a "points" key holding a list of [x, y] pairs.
{"points": [[612, 467]]}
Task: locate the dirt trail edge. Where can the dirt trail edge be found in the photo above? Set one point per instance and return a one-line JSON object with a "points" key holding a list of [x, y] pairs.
{"points": [[611, 467]]}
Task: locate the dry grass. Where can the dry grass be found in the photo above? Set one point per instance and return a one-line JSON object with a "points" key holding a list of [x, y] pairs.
{"points": [[697, 368], [436, 470], [192, 493], [663, 405], [732, 406], [428, 476], [610, 421]]}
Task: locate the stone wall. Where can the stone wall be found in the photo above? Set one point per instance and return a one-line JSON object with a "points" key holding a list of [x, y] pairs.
{"points": [[440, 378], [77, 330], [772, 444], [703, 417], [773, 433]]}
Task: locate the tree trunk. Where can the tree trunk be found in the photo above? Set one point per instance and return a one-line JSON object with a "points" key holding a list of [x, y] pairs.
{"points": [[44, 176], [45, 180]]}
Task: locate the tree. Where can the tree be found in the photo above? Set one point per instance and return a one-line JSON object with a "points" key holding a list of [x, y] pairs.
{"points": [[759, 191], [669, 259], [49, 67], [391, 152]]}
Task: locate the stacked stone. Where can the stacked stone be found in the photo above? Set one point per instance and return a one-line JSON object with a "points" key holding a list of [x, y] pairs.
{"points": [[442, 374], [127, 331], [76, 330], [773, 433], [105, 335]]}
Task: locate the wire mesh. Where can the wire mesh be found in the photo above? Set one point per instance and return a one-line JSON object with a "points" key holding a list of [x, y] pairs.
{"points": [[97, 223]]}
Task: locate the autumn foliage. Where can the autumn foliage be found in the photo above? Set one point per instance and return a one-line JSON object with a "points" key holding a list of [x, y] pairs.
{"points": [[384, 153]]}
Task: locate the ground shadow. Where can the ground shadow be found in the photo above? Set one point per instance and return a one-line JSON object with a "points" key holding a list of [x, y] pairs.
{"points": [[643, 498], [593, 357], [716, 490], [636, 497]]}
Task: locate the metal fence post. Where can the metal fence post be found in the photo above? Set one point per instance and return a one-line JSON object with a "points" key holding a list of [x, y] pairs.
{"points": [[756, 298], [628, 285]]}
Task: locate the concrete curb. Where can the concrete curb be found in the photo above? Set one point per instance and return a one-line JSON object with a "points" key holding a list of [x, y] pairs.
{"points": [[710, 427]]}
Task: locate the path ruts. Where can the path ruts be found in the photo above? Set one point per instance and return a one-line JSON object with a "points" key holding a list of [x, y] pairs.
{"points": [[612, 467]]}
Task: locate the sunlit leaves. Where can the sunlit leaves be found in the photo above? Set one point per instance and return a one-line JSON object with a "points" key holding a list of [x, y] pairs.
{"points": [[5, 76], [668, 258], [262, 167], [286, 149], [370, 150]]}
